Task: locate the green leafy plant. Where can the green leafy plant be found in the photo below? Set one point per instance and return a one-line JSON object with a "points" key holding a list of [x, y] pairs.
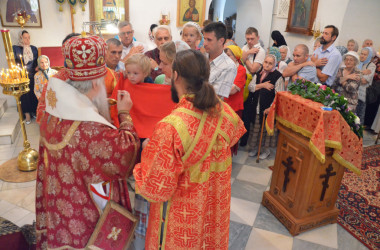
{"points": [[323, 94]]}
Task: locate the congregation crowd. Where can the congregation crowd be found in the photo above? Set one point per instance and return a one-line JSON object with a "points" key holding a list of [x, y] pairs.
{"points": [[205, 70]]}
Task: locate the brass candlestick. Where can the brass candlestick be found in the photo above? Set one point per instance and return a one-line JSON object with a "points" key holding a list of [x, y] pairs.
{"points": [[22, 18], [15, 82]]}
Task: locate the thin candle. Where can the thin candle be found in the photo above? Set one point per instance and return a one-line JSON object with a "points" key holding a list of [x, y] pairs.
{"points": [[22, 64]]}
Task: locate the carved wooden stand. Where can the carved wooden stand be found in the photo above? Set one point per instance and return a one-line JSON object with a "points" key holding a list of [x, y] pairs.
{"points": [[303, 191]]}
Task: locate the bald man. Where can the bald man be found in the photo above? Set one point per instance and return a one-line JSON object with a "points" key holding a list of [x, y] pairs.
{"points": [[301, 67]]}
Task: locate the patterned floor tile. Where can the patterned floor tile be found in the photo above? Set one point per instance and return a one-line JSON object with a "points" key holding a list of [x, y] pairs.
{"points": [[303, 245], [347, 241], [247, 191], [267, 221], [243, 211], [241, 157], [239, 234], [236, 167], [255, 175], [325, 235], [262, 239]]}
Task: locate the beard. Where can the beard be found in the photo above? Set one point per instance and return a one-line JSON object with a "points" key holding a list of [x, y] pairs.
{"points": [[174, 92], [101, 103], [323, 41]]}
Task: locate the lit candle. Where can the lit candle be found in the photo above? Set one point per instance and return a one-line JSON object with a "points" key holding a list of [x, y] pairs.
{"points": [[22, 64]]}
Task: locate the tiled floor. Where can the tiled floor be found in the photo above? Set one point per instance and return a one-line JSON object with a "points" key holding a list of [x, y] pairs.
{"points": [[252, 226]]}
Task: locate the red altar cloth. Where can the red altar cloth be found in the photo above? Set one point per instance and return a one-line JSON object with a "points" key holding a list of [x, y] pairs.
{"points": [[324, 128]]}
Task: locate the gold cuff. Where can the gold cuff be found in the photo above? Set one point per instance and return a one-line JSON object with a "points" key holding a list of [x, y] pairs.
{"points": [[123, 112]]}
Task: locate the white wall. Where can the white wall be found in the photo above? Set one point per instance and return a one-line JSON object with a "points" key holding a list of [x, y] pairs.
{"points": [[361, 21], [230, 8], [55, 26], [253, 13], [219, 10], [329, 12]]}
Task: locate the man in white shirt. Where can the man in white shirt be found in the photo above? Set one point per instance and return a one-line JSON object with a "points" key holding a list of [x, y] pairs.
{"points": [[130, 47], [253, 54], [253, 57], [222, 69]]}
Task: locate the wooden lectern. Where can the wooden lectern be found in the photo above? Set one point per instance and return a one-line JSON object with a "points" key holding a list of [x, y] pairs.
{"points": [[305, 181]]}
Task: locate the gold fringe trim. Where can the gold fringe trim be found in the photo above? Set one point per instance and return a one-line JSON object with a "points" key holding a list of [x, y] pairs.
{"points": [[269, 130], [316, 152], [346, 164], [331, 144], [294, 127]]}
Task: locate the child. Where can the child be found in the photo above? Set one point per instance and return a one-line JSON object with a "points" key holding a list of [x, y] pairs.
{"points": [[192, 34], [137, 69]]}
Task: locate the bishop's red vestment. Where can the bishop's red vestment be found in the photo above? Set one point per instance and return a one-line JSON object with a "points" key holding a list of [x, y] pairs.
{"points": [[73, 154], [185, 172]]}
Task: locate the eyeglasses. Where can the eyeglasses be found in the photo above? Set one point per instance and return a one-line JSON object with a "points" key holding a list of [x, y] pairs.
{"points": [[126, 33]]}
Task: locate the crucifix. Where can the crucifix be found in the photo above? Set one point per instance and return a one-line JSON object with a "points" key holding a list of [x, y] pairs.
{"points": [[288, 167], [325, 183]]}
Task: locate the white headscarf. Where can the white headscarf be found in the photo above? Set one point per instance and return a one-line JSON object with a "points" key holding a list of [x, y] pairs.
{"points": [[27, 51]]}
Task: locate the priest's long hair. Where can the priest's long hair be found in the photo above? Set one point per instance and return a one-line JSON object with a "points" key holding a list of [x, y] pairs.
{"points": [[194, 68]]}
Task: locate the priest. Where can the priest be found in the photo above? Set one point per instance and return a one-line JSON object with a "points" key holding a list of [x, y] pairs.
{"points": [[83, 158], [185, 169]]}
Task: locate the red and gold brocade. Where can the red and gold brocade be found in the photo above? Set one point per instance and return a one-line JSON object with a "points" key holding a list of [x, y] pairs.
{"points": [[111, 80], [188, 164], [324, 128], [74, 155], [63, 75]]}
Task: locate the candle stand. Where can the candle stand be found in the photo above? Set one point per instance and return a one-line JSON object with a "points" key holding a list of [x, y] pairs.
{"points": [[15, 82]]}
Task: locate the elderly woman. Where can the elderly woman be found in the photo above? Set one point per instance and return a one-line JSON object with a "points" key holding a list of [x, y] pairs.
{"points": [[347, 79], [28, 55], [262, 90], [352, 45], [42, 76], [285, 54], [367, 71]]}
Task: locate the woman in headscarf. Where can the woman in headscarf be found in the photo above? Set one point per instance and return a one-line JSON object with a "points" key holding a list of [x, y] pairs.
{"points": [[367, 71], [28, 54], [352, 45], [262, 90], [236, 98], [347, 79], [278, 39], [42, 76], [281, 65]]}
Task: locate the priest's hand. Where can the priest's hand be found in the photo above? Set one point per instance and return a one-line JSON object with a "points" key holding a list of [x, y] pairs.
{"points": [[124, 101]]}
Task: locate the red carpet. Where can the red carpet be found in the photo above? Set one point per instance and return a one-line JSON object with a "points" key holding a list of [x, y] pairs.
{"points": [[359, 200]]}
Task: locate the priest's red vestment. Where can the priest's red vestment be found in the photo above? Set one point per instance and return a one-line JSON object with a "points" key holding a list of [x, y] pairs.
{"points": [[187, 164]]}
